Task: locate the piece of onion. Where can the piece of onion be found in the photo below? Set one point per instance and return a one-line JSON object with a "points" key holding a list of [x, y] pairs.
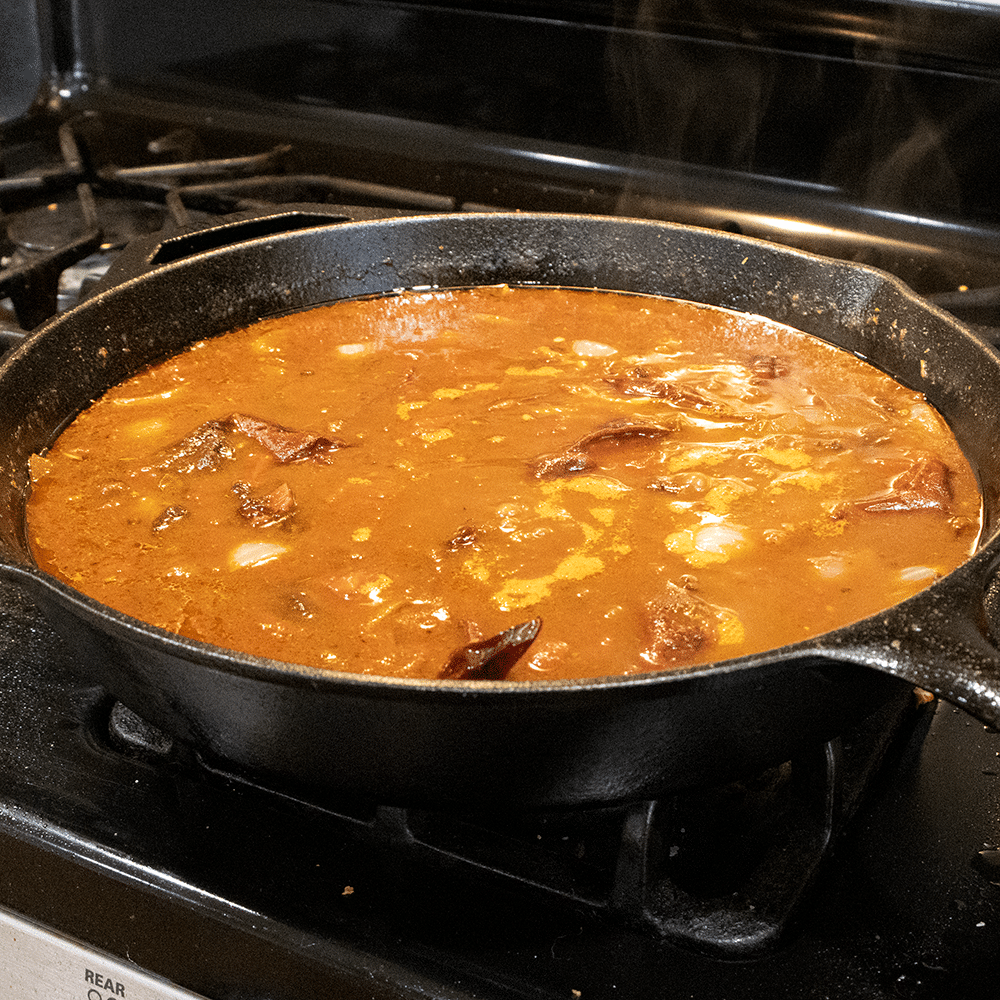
{"points": [[830, 566], [718, 538], [255, 554], [918, 574], [592, 349]]}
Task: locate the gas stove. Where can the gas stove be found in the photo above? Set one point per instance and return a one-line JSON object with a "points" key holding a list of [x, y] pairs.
{"points": [[867, 867]]}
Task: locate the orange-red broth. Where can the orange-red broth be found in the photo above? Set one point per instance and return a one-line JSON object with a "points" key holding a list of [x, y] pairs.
{"points": [[781, 487]]}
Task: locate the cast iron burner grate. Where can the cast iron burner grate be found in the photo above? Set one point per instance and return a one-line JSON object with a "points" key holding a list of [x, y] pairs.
{"points": [[75, 213], [722, 871], [73, 189]]}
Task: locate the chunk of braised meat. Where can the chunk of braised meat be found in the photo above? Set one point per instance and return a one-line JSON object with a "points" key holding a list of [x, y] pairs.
{"points": [[624, 428], [922, 486], [171, 515], [491, 659], [284, 444], [209, 445], [678, 622], [203, 450], [576, 456], [560, 463], [640, 382], [265, 511], [466, 537]]}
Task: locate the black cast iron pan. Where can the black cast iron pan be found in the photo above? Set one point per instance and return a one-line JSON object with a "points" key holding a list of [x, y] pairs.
{"points": [[505, 744]]}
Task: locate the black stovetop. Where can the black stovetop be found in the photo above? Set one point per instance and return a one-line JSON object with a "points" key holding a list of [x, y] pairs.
{"points": [[231, 890]]}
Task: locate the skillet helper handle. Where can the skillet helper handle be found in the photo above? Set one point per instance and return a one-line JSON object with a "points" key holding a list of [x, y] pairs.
{"points": [[147, 254], [945, 639]]}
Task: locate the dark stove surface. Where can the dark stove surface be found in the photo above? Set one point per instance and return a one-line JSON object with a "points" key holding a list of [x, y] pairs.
{"points": [[232, 891]]}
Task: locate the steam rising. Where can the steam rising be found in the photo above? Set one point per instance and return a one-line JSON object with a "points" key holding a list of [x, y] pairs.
{"points": [[828, 99]]}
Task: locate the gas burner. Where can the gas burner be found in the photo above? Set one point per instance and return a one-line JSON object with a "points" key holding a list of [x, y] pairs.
{"points": [[722, 871], [58, 244], [45, 228], [32, 281]]}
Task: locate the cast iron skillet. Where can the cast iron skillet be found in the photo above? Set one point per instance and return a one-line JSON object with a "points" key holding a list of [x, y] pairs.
{"points": [[501, 744]]}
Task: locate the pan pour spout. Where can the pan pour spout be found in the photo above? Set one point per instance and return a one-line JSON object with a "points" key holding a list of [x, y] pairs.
{"points": [[491, 659]]}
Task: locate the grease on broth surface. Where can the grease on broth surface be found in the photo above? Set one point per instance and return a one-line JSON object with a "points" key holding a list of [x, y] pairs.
{"points": [[374, 485]]}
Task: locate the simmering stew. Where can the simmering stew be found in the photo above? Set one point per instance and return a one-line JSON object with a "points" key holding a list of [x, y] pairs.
{"points": [[505, 482]]}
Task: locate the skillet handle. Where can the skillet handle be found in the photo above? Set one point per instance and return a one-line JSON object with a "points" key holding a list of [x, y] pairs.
{"points": [[146, 254], [945, 639]]}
